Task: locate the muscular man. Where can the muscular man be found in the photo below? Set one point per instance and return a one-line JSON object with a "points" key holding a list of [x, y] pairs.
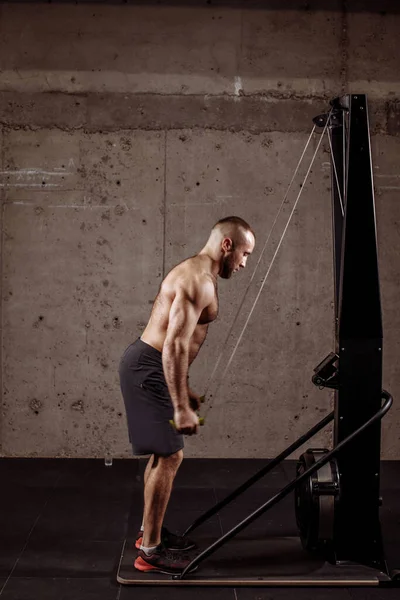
{"points": [[154, 380]]}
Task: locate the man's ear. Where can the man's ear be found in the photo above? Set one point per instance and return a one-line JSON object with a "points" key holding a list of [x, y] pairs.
{"points": [[227, 244]]}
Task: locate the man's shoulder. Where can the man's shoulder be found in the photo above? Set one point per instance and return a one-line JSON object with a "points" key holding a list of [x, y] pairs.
{"points": [[190, 280]]}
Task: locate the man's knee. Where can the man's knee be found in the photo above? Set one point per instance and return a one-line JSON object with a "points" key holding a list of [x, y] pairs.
{"points": [[171, 461], [178, 457]]}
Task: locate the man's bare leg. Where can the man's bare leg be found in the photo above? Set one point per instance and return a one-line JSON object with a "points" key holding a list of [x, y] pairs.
{"points": [[157, 492], [145, 478], [148, 469]]}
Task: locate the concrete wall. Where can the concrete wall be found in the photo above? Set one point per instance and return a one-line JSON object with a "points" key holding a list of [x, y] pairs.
{"points": [[127, 130]]}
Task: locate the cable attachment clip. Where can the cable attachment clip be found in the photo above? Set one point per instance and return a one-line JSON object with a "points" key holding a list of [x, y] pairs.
{"points": [[327, 372]]}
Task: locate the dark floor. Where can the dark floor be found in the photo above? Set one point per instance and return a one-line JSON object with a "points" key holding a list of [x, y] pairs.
{"points": [[63, 522]]}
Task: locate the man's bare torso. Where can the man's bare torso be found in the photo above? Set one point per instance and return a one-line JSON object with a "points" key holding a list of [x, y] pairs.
{"points": [[189, 273]]}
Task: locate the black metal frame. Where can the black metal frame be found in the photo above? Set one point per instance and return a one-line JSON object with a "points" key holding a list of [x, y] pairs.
{"points": [[359, 338], [358, 382]]}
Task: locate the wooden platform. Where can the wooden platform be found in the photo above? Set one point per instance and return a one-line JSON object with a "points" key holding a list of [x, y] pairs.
{"points": [[279, 561]]}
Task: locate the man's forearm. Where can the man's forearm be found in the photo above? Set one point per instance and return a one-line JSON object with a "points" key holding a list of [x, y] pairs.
{"points": [[175, 359]]}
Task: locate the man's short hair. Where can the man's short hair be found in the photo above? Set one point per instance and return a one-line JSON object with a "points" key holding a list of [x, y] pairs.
{"points": [[237, 221]]}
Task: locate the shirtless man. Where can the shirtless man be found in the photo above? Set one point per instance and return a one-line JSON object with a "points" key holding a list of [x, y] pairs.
{"points": [[154, 381]]}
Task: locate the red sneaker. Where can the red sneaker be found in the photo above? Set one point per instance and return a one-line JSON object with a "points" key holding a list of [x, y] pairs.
{"points": [[161, 561]]}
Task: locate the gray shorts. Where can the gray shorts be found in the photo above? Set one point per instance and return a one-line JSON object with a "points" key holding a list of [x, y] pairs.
{"points": [[147, 401]]}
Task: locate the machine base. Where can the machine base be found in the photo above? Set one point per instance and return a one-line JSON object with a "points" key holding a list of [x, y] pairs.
{"points": [[279, 561]]}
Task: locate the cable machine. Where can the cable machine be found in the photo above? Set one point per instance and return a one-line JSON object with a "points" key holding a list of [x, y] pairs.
{"points": [[336, 491], [346, 493]]}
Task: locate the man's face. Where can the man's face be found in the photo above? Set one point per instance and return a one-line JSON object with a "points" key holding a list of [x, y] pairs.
{"points": [[236, 257]]}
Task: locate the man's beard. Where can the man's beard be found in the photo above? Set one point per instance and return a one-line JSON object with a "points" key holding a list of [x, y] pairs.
{"points": [[227, 267]]}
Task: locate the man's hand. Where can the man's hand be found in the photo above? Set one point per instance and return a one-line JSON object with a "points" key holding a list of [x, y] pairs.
{"points": [[186, 421]]}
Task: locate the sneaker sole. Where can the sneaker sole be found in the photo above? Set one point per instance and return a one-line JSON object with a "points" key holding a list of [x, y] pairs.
{"points": [[145, 567]]}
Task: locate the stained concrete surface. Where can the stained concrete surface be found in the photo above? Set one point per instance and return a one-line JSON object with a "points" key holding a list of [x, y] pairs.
{"points": [[127, 131]]}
